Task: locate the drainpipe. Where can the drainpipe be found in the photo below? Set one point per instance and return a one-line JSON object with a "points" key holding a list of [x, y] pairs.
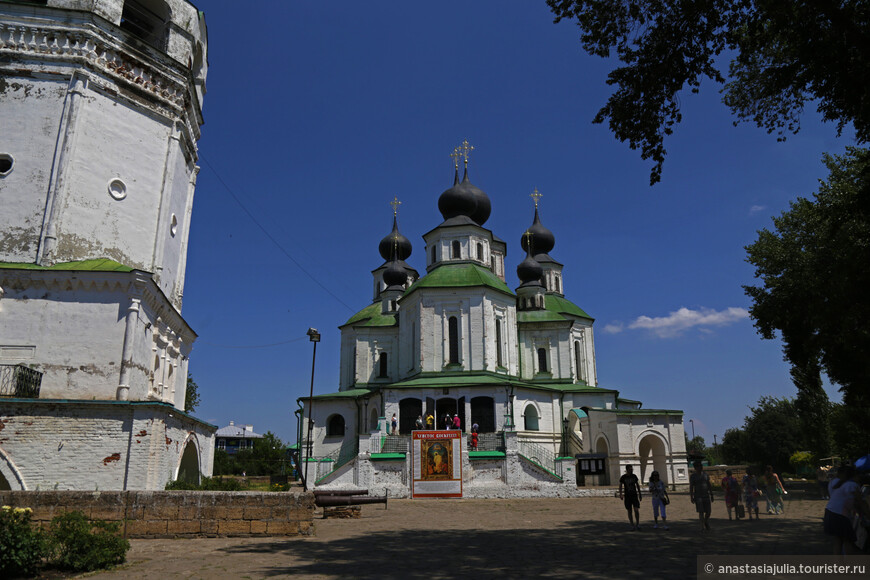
{"points": [[562, 424]]}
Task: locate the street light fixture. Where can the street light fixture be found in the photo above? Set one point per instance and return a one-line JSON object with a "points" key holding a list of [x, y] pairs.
{"points": [[692, 421], [314, 337]]}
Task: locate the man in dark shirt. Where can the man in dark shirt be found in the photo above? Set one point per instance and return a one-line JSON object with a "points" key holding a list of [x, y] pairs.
{"points": [[701, 493], [629, 492]]}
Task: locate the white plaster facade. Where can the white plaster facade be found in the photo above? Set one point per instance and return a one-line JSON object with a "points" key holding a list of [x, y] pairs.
{"points": [[458, 341], [100, 112]]}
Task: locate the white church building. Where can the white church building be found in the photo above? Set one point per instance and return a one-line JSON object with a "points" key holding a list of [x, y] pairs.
{"points": [[100, 113], [519, 365]]}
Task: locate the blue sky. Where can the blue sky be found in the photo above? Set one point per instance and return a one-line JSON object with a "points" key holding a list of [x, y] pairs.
{"points": [[318, 113]]}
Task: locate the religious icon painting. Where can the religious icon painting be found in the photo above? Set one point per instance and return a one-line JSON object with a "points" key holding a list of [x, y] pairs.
{"points": [[436, 463]]}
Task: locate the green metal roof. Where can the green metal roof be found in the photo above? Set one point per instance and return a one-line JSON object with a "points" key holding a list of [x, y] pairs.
{"points": [[97, 265], [561, 305], [371, 316], [349, 394], [486, 454], [638, 411], [526, 316], [486, 378], [460, 275], [556, 309]]}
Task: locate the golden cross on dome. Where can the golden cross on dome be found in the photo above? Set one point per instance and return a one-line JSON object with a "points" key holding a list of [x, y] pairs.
{"points": [[536, 196], [395, 203], [455, 156], [528, 235], [466, 150]]}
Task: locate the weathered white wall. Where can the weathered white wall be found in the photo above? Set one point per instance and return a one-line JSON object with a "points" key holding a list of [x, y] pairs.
{"points": [[106, 446], [73, 327], [30, 111]]}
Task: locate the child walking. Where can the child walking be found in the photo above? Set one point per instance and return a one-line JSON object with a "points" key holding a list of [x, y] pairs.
{"points": [[660, 499]]}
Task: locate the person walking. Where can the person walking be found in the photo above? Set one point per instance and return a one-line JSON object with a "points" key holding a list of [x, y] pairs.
{"points": [[732, 493], [629, 492], [430, 421], [448, 422], [701, 493], [659, 494], [419, 422], [822, 480], [750, 493], [457, 422], [774, 491], [394, 424], [840, 511]]}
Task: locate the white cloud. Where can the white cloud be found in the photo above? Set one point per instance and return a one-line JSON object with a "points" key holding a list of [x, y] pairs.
{"points": [[613, 328], [756, 208], [683, 319]]}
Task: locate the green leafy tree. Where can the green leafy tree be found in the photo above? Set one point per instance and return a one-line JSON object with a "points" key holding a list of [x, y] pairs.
{"points": [[814, 292], [783, 55], [695, 446], [734, 446], [191, 395], [267, 457], [773, 432]]}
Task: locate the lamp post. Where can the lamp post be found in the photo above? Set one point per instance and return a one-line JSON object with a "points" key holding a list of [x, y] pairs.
{"points": [[314, 337], [692, 421]]}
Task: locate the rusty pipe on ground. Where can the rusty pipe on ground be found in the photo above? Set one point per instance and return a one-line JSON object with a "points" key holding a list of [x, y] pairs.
{"points": [[336, 500]]}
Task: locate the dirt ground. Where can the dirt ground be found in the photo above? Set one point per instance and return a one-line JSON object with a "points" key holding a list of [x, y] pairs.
{"points": [[549, 538]]}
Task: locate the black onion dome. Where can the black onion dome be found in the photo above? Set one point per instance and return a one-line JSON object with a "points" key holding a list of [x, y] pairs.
{"points": [[484, 207], [458, 200], [395, 274], [529, 271], [403, 244], [543, 239]]}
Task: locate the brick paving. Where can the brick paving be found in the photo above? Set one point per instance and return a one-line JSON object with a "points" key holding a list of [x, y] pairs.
{"points": [[519, 538]]}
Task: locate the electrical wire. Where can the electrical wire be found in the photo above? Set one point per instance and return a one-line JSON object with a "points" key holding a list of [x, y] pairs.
{"points": [[272, 238]]}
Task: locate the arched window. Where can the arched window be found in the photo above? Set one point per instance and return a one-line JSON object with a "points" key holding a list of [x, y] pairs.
{"points": [[530, 417], [578, 360], [542, 360], [556, 284], [382, 365], [456, 250], [480, 251], [453, 339], [433, 254], [335, 426], [498, 350], [148, 20]]}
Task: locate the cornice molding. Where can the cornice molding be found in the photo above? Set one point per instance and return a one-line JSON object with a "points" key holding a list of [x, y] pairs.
{"points": [[101, 50], [135, 284]]}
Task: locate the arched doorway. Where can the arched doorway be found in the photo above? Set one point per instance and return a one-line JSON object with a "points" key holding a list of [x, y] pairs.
{"points": [[602, 447], [373, 421], [483, 413], [652, 457], [188, 469], [409, 410], [444, 406], [9, 476]]}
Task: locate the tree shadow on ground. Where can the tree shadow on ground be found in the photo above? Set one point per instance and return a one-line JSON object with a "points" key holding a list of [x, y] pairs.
{"points": [[577, 549]]}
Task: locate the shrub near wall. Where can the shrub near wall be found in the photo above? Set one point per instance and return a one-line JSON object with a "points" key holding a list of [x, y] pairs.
{"points": [[170, 514]]}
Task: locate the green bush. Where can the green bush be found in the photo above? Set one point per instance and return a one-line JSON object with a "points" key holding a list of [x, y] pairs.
{"points": [[22, 547], [80, 545], [207, 484]]}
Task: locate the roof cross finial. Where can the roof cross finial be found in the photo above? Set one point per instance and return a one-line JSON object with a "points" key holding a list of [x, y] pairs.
{"points": [[395, 203], [466, 150], [455, 156], [528, 235], [536, 196]]}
